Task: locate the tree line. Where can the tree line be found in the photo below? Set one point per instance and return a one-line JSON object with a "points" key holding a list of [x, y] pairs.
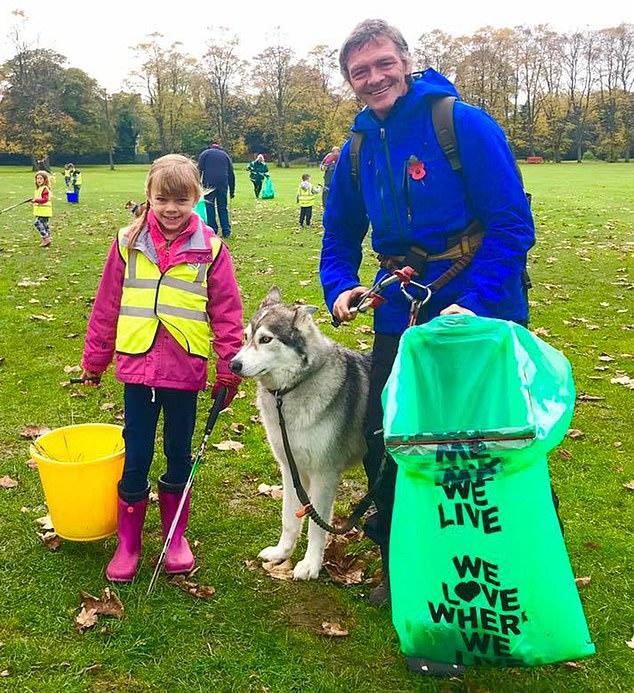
{"points": [[558, 95]]}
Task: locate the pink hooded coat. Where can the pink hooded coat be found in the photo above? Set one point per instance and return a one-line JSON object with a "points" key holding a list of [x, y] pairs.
{"points": [[167, 364]]}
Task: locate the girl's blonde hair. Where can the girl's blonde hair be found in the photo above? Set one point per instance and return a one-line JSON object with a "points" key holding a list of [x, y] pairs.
{"points": [[47, 177], [173, 175]]}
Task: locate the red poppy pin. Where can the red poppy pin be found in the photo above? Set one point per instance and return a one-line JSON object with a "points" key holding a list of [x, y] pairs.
{"points": [[416, 168]]}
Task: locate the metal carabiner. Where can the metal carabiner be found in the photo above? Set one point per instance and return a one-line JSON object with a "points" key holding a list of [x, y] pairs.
{"points": [[421, 301]]}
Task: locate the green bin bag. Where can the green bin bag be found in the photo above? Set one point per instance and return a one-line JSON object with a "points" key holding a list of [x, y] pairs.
{"points": [[201, 209], [268, 191], [478, 566]]}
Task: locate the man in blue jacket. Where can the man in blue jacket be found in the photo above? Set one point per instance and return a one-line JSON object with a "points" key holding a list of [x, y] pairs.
{"points": [[216, 169], [401, 182]]}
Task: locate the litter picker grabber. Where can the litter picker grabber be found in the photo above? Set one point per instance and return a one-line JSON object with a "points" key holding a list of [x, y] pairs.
{"points": [[216, 408], [2, 211]]}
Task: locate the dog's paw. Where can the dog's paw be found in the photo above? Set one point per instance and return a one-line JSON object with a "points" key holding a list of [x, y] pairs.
{"points": [[306, 570], [274, 554]]}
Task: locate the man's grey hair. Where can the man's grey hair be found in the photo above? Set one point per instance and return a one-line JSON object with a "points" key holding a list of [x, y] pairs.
{"points": [[365, 32]]}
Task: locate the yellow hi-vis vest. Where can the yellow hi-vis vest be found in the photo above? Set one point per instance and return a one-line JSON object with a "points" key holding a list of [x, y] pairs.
{"points": [[176, 298], [45, 210]]}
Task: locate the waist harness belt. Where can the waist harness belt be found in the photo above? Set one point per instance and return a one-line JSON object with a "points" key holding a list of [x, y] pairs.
{"points": [[461, 248]]}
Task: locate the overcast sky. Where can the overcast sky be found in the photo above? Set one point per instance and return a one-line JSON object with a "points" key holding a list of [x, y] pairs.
{"points": [[97, 36]]}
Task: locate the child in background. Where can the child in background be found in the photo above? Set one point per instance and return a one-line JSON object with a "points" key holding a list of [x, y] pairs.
{"points": [[43, 206], [76, 181], [167, 280], [68, 175], [306, 199]]}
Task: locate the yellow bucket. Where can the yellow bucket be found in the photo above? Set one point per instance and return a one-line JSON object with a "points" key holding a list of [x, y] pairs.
{"points": [[79, 468]]}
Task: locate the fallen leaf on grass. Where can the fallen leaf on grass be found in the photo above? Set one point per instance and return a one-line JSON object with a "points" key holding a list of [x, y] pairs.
{"points": [[237, 428], [333, 630], [45, 522], [279, 571], [85, 619], [541, 332], [107, 406], [582, 397], [51, 540], [43, 317], [575, 434], [629, 486], [108, 604], [33, 432], [72, 369], [251, 564], [228, 445], [193, 588], [343, 568], [4, 673], [7, 482], [623, 380], [583, 581], [565, 454], [573, 665], [275, 492], [592, 545], [630, 643], [606, 358], [31, 464], [153, 497]]}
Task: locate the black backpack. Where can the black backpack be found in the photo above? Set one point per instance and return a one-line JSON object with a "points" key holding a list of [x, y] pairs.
{"points": [[442, 120]]}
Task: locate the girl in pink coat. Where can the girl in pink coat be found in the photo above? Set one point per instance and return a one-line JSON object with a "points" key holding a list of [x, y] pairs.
{"points": [[167, 280]]}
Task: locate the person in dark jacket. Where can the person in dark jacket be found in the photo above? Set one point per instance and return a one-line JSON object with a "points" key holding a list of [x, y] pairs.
{"points": [[409, 194], [216, 168], [258, 171]]}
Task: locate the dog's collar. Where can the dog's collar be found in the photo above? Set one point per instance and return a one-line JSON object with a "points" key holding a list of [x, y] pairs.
{"points": [[278, 394]]}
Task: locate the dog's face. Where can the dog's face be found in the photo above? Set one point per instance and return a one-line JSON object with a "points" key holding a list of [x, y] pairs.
{"points": [[275, 341], [134, 207]]}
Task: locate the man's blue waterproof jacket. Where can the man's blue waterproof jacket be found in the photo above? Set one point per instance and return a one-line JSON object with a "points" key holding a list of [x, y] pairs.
{"points": [[427, 212]]}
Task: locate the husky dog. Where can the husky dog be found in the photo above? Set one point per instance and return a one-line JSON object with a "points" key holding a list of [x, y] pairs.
{"points": [[136, 209], [324, 389]]}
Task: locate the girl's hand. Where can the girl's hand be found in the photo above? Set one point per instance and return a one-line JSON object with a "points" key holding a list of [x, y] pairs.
{"points": [[90, 378]]}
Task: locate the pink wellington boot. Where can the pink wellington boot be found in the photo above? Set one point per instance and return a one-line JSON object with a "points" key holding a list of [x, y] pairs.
{"points": [[180, 558], [130, 519]]}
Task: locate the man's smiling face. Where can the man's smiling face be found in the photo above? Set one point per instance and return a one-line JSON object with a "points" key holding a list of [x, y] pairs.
{"points": [[378, 74]]}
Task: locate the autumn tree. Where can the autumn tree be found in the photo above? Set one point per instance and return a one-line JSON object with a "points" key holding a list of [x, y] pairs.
{"points": [[441, 51], [165, 77], [281, 89], [222, 68], [579, 59], [34, 121], [555, 103]]}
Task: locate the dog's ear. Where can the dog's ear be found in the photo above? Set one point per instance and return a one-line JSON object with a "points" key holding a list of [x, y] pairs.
{"points": [[274, 296], [309, 309], [303, 313]]}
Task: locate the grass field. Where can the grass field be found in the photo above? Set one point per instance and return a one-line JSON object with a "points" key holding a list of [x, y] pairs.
{"points": [[260, 634]]}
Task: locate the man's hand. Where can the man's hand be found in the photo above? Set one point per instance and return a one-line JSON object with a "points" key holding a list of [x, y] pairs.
{"points": [[455, 309], [345, 301]]}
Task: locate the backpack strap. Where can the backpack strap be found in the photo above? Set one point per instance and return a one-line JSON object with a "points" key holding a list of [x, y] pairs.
{"points": [[356, 140], [442, 119]]}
